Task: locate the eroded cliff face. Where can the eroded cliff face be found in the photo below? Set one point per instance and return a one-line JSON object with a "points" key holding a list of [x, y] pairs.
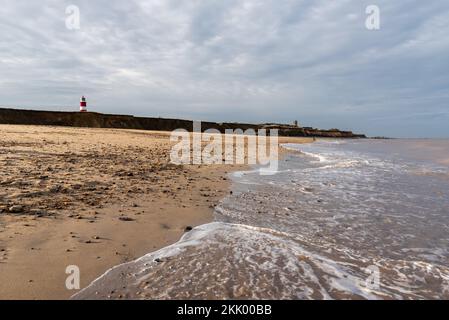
{"points": [[99, 120], [313, 132]]}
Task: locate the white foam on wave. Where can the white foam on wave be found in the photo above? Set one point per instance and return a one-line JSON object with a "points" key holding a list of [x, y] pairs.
{"points": [[259, 254], [318, 156]]}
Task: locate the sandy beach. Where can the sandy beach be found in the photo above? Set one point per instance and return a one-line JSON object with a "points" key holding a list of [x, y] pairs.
{"points": [[93, 198]]}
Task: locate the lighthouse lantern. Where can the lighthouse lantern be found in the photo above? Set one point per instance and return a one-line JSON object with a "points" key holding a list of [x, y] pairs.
{"points": [[83, 104]]}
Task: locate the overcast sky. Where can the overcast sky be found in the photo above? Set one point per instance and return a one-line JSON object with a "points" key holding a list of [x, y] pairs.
{"points": [[235, 60]]}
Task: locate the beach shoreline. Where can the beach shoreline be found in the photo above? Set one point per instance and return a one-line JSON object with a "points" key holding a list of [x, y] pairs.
{"points": [[93, 198], [314, 230], [89, 212]]}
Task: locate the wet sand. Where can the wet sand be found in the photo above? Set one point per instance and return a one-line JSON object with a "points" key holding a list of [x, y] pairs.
{"points": [[93, 198]]}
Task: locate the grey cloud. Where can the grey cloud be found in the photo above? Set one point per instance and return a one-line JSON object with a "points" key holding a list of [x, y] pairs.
{"points": [[234, 60]]}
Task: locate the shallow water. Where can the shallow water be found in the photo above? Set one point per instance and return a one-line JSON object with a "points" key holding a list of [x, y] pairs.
{"points": [[341, 219]]}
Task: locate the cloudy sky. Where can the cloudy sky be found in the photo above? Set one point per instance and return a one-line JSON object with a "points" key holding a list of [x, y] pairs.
{"points": [[235, 60]]}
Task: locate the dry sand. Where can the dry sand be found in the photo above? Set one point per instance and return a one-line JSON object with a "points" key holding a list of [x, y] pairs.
{"points": [[93, 198]]}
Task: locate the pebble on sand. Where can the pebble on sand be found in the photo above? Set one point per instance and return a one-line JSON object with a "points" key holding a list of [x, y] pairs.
{"points": [[125, 219], [16, 209]]}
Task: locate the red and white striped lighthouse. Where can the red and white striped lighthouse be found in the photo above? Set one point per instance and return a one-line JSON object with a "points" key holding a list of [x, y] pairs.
{"points": [[83, 104]]}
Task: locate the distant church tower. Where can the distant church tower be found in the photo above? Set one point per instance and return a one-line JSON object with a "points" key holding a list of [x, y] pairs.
{"points": [[83, 104]]}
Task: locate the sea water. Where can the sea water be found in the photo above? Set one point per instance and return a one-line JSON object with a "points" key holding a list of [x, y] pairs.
{"points": [[341, 219]]}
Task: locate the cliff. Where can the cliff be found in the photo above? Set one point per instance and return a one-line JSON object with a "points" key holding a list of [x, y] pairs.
{"points": [[100, 120]]}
